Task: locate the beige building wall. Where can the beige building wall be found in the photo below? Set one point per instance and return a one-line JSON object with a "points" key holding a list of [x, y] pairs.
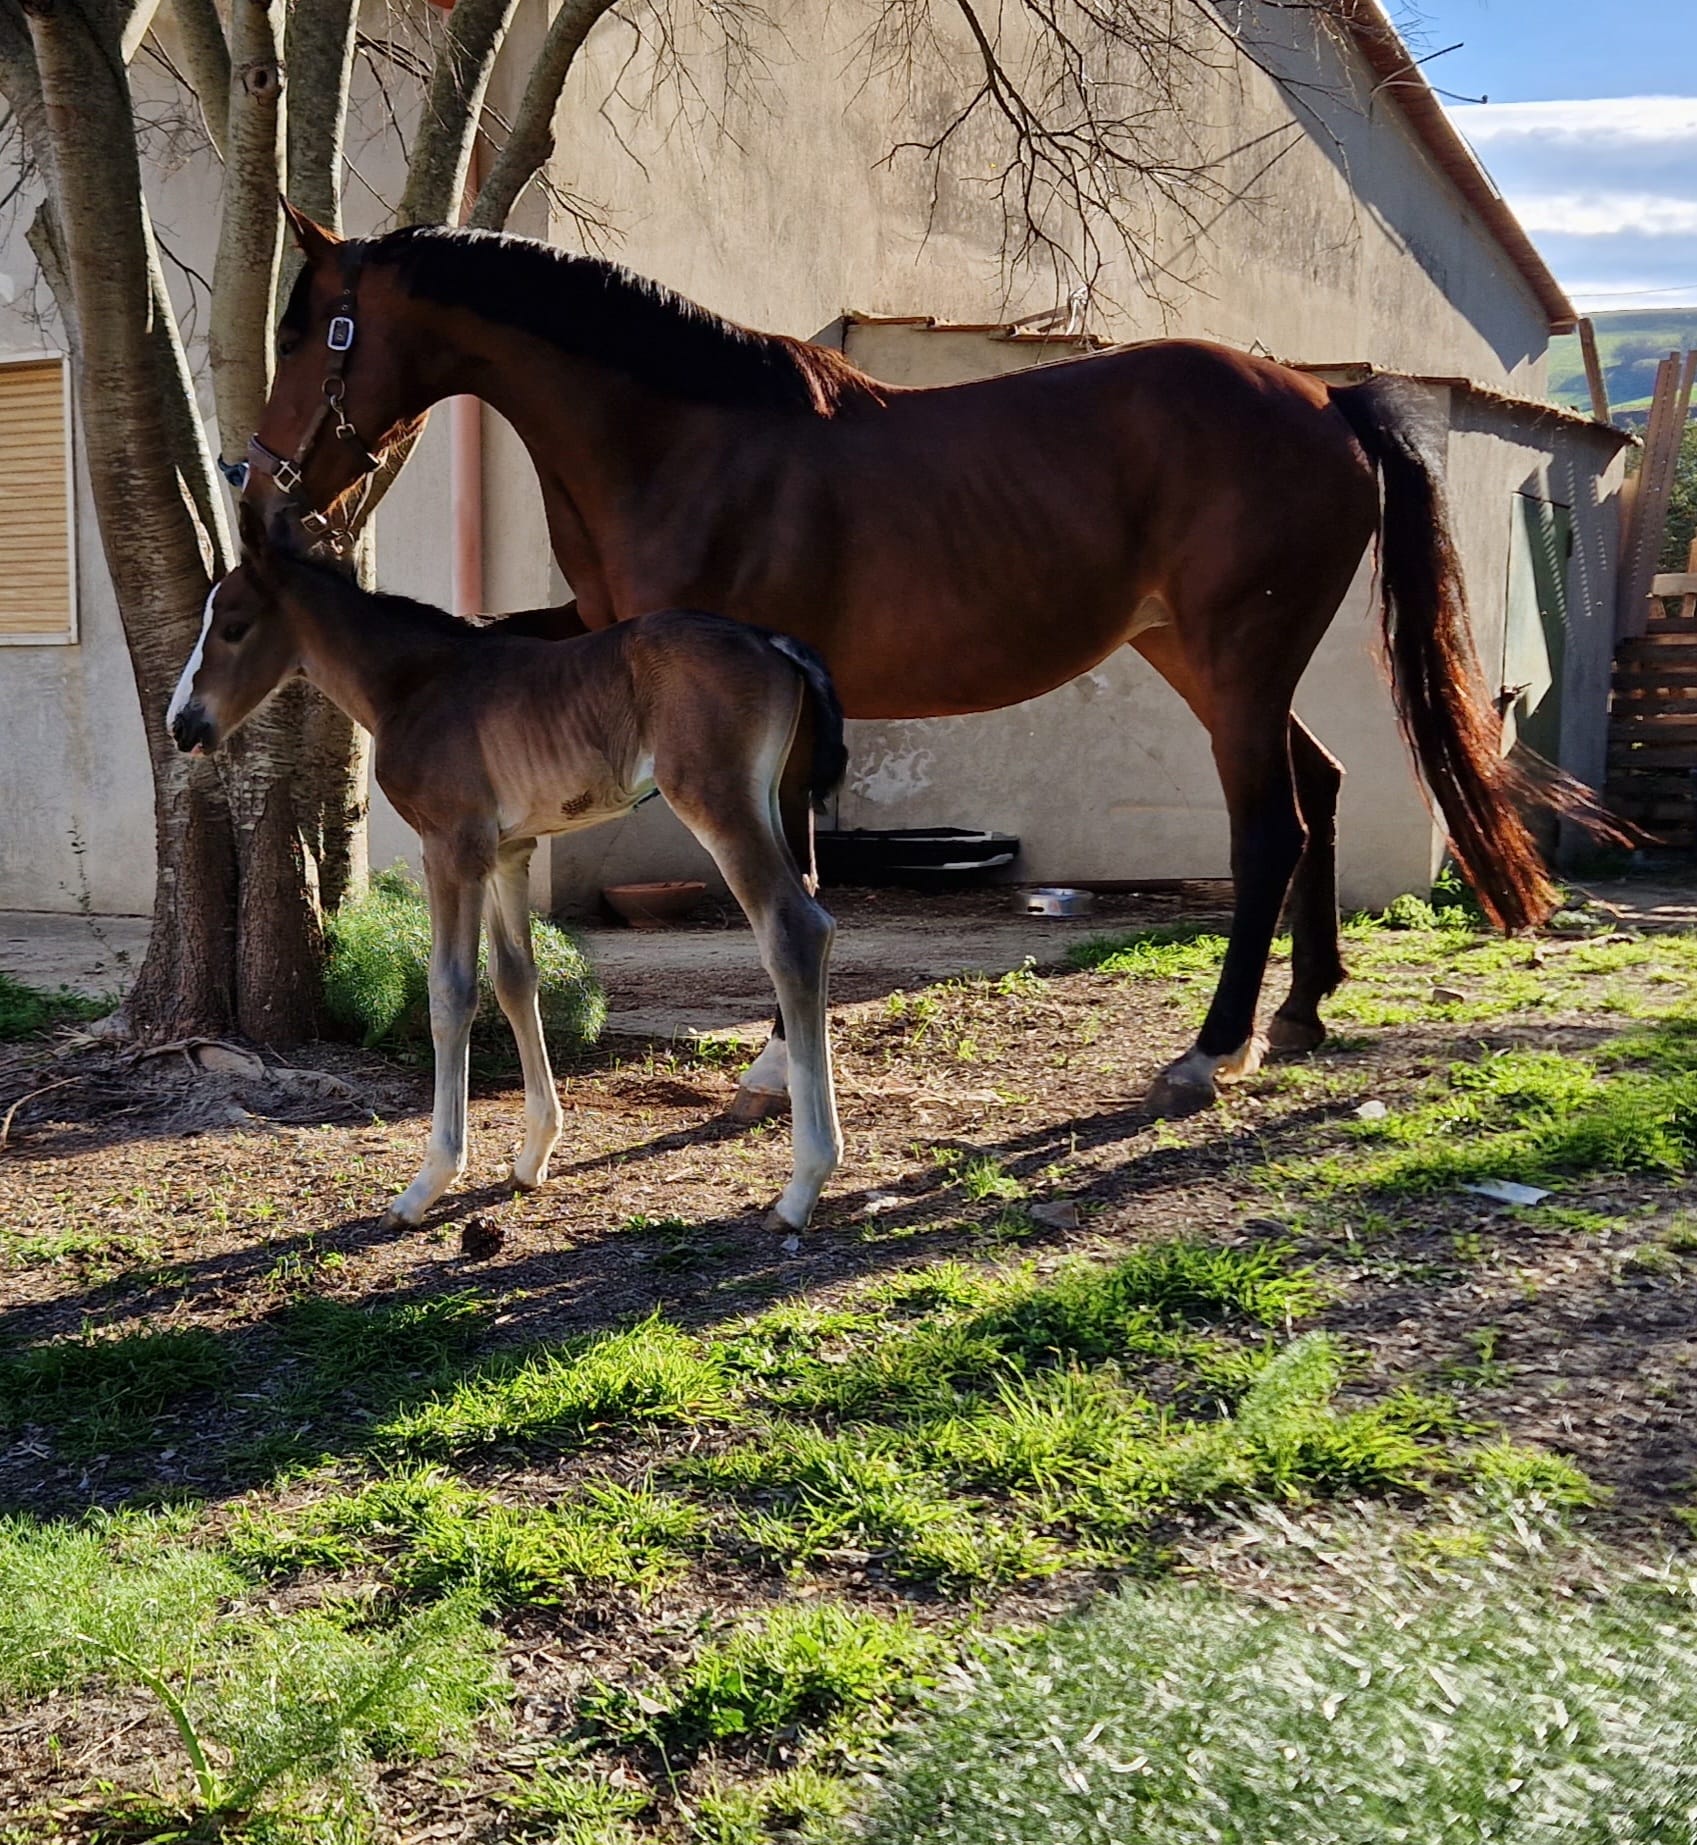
{"points": [[775, 202]]}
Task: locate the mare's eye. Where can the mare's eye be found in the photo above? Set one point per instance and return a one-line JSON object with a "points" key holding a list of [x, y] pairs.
{"points": [[232, 631]]}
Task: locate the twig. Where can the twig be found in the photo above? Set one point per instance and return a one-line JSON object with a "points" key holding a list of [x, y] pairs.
{"points": [[6, 1123]]}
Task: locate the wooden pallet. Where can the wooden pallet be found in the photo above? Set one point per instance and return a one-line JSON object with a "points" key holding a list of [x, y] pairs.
{"points": [[1653, 717]]}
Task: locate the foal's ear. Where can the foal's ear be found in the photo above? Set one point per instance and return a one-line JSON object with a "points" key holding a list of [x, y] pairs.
{"points": [[313, 240], [250, 529]]}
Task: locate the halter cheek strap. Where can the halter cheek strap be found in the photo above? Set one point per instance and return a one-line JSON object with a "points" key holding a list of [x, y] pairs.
{"points": [[287, 470]]}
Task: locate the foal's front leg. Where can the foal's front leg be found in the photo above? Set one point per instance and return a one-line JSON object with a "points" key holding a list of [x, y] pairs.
{"points": [[512, 962], [456, 916]]}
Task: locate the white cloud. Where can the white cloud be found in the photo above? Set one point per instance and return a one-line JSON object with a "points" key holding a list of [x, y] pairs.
{"points": [[1597, 120], [1606, 186], [1607, 214]]}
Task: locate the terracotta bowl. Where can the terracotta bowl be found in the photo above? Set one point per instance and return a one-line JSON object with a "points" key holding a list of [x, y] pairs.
{"points": [[654, 906]]}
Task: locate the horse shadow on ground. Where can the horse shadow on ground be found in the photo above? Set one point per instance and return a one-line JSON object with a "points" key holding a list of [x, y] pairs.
{"points": [[315, 1376]]}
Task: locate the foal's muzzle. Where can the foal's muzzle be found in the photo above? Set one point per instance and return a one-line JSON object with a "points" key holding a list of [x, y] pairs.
{"points": [[194, 731]]}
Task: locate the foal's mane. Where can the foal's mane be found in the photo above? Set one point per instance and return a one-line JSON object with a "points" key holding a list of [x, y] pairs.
{"points": [[600, 311], [332, 583]]}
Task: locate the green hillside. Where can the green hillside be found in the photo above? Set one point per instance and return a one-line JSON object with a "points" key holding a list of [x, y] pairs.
{"points": [[1630, 344]]}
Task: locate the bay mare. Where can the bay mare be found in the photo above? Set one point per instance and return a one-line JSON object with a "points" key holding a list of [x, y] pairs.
{"points": [[485, 740], [952, 549]]}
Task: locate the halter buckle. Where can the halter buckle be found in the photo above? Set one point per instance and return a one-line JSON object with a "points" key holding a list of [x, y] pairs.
{"points": [[340, 337], [288, 477]]}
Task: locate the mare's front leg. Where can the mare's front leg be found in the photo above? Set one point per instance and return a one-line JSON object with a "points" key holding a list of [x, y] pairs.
{"points": [[512, 963], [453, 880]]}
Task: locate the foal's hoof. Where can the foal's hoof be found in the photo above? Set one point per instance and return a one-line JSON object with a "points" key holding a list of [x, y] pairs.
{"points": [[396, 1220], [780, 1225], [1180, 1092], [1294, 1037], [751, 1105]]}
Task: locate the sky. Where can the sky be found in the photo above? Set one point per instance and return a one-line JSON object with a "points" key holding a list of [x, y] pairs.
{"points": [[1589, 130]]}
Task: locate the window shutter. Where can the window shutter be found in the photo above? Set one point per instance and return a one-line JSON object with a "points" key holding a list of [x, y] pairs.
{"points": [[37, 580]]}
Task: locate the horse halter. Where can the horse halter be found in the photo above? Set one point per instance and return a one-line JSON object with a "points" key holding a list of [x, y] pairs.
{"points": [[286, 471]]}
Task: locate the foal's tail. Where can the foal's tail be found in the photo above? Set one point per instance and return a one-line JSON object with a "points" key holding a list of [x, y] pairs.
{"points": [[1442, 702], [830, 753]]}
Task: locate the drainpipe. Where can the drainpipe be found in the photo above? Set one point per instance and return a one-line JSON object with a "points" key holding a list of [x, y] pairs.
{"points": [[465, 466]]}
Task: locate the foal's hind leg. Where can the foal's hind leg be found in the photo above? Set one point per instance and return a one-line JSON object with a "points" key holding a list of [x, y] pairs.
{"points": [[764, 1087], [794, 934], [1316, 962], [456, 916], [512, 965]]}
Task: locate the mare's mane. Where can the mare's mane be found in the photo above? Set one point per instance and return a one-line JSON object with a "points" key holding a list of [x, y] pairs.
{"points": [[602, 312]]}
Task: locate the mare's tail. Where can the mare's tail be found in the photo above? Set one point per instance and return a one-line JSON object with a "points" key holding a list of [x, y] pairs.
{"points": [[1442, 703], [830, 753]]}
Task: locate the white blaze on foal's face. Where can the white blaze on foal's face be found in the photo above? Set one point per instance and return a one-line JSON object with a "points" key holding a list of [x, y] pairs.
{"points": [[244, 651], [185, 685]]}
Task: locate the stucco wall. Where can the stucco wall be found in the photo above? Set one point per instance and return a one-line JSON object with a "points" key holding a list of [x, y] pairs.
{"points": [[777, 205]]}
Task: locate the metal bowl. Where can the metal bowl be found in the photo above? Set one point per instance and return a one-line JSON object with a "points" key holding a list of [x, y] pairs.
{"points": [[1054, 900]]}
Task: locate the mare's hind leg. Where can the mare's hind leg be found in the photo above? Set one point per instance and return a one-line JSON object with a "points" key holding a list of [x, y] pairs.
{"points": [[764, 1087], [1252, 751], [455, 890], [1316, 961], [512, 965]]}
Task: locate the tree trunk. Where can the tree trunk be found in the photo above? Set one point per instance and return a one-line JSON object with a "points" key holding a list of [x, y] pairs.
{"points": [[218, 828]]}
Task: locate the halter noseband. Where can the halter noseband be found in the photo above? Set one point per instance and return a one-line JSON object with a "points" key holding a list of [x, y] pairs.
{"points": [[286, 470]]}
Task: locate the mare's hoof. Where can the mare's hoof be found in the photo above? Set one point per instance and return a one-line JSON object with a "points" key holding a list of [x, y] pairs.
{"points": [[1294, 1037], [1179, 1093], [751, 1105]]}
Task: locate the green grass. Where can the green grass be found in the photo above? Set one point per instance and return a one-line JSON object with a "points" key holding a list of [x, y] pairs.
{"points": [[1530, 1116], [98, 1393], [428, 1535], [26, 1011], [810, 1669], [1483, 1701], [260, 1704], [574, 1805], [75, 1599], [376, 980], [649, 1373], [1004, 1472], [1171, 953]]}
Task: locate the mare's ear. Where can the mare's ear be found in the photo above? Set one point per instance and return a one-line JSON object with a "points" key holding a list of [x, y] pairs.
{"points": [[312, 239]]}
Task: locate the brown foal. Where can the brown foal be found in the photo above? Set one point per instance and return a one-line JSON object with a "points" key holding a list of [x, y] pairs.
{"points": [[486, 740], [953, 549]]}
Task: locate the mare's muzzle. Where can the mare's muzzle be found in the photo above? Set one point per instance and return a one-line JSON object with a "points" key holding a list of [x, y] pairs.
{"points": [[194, 731]]}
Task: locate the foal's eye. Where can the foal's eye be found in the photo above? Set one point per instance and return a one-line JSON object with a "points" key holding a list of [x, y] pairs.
{"points": [[232, 631], [287, 345]]}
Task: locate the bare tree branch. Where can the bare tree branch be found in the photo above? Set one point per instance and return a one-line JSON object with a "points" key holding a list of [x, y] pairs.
{"points": [[244, 275], [206, 52], [441, 156], [530, 141]]}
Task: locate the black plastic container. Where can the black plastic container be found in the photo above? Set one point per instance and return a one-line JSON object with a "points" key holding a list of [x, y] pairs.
{"points": [[916, 858]]}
